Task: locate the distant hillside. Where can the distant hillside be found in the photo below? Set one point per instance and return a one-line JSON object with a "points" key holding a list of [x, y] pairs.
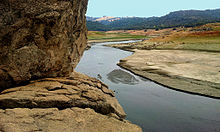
{"points": [[88, 18], [96, 26], [186, 18]]}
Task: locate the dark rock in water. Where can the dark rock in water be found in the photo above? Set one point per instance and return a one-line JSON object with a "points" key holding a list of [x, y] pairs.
{"points": [[39, 39], [120, 76], [99, 76]]}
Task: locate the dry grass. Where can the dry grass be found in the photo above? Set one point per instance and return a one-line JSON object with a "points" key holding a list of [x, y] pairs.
{"points": [[95, 35], [186, 39]]}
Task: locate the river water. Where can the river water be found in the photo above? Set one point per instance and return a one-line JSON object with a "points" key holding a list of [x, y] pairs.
{"points": [[147, 104]]}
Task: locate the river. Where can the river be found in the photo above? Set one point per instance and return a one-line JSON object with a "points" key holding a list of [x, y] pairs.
{"points": [[147, 104]]}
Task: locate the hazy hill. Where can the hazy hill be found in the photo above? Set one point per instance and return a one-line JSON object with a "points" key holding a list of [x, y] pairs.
{"points": [[96, 26], [187, 18]]}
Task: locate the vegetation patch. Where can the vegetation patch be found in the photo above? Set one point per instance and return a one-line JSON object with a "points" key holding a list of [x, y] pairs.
{"points": [[201, 38], [97, 35]]}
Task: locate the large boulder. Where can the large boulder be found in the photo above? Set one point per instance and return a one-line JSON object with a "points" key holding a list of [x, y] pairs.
{"points": [[40, 38]]}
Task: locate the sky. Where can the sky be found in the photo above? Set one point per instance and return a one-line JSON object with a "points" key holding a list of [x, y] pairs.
{"points": [[146, 8]]}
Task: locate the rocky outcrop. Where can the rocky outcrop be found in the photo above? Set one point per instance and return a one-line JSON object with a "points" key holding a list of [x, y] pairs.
{"points": [[44, 38], [72, 104], [41, 42], [76, 91], [55, 120]]}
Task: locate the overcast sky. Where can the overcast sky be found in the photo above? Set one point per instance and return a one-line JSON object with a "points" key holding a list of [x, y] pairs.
{"points": [[146, 8]]}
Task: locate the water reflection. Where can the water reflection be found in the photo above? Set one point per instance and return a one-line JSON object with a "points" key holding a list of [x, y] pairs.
{"points": [[120, 76]]}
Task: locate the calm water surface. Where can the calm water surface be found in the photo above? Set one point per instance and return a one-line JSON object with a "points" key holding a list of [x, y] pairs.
{"points": [[151, 106]]}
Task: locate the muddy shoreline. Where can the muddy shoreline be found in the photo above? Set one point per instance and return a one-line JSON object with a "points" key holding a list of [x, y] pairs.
{"points": [[152, 77]]}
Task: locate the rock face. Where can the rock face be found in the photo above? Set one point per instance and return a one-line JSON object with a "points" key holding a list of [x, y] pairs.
{"points": [[41, 40], [44, 38], [72, 104]]}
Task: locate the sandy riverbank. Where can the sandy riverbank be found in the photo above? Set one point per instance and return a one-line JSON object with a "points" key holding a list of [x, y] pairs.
{"points": [[189, 71], [186, 59]]}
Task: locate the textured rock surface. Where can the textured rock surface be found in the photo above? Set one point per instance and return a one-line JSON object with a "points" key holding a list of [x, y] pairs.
{"points": [[54, 120], [39, 40], [44, 38], [74, 104], [78, 91]]}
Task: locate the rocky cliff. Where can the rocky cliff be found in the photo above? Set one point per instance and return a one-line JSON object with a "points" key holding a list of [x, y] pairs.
{"points": [[41, 42], [39, 39]]}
